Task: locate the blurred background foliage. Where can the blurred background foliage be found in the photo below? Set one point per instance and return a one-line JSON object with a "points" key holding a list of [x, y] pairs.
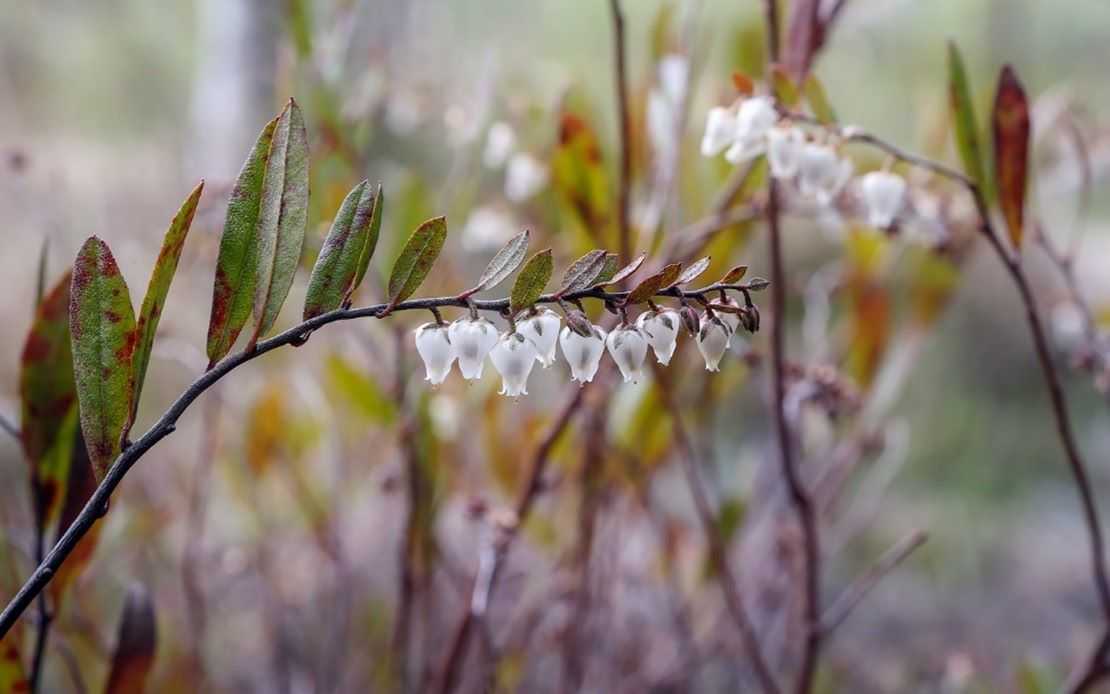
{"points": [[109, 111]]}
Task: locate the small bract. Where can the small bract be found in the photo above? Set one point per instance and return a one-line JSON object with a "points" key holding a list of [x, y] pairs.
{"points": [[661, 330], [883, 194], [543, 330], [435, 348], [513, 356], [583, 354], [628, 347], [713, 339], [473, 338]]}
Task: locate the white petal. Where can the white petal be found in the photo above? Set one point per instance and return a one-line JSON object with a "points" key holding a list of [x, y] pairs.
{"points": [[473, 339], [628, 347], [513, 356], [500, 142], [543, 330], [674, 73], [745, 149], [816, 165], [883, 194], [583, 354], [838, 178], [525, 177], [661, 330], [755, 117], [720, 131], [729, 319], [784, 150], [435, 348], [713, 339]]}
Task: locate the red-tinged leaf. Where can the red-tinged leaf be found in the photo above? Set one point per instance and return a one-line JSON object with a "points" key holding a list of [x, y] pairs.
{"points": [[652, 285], [531, 281], [692, 273], [416, 259], [13, 678], [102, 326], [351, 237], [784, 88], [236, 267], [670, 274], [135, 646], [578, 172], [734, 275], [503, 264], [1011, 150], [743, 84], [818, 100], [584, 272], [963, 116], [282, 218], [40, 277], [80, 485], [158, 289], [625, 272]]}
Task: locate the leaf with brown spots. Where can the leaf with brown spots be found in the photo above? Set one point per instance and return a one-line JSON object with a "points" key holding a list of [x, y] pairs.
{"points": [[47, 393], [622, 274], [1011, 150], [584, 272], [80, 484], [416, 259], [352, 237], [734, 275], [137, 643], [236, 267], [156, 291], [692, 273], [102, 328], [282, 218], [504, 263]]}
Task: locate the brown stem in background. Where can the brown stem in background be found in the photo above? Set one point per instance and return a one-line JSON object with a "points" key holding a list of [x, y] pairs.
{"points": [[625, 128], [406, 574], [842, 607], [44, 616], [493, 555]]}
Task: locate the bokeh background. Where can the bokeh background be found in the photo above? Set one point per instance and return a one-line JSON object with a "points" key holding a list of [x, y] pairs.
{"points": [[267, 529]]}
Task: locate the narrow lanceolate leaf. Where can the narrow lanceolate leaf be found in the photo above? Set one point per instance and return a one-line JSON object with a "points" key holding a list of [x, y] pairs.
{"points": [[1011, 150], [584, 272], [503, 264], [734, 275], [531, 281], [333, 276], [692, 273], [625, 272], [416, 259], [371, 239], [818, 100], [282, 217], [652, 285], [47, 392], [102, 326], [236, 268], [158, 289], [963, 116], [136, 645]]}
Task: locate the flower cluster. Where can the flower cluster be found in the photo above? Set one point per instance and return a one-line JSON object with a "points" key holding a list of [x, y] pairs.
{"points": [[471, 339], [752, 127]]}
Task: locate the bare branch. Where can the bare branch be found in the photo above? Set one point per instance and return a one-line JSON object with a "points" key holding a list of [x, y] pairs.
{"points": [[842, 607]]}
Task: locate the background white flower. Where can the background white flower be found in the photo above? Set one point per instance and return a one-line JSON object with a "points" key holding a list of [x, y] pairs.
{"points": [[525, 177], [500, 143], [784, 151], [822, 172], [756, 116], [883, 194]]}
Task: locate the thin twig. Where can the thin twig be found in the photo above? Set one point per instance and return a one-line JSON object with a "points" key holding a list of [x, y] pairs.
{"points": [[718, 551], [406, 573], [493, 554], [625, 128], [842, 607], [44, 617], [9, 427]]}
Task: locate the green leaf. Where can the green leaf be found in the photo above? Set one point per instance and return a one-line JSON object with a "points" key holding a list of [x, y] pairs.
{"points": [[1011, 129], [818, 100], [531, 281], [758, 284], [40, 277], [360, 390], [692, 273], [584, 272], [102, 326], [333, 277], [282, 218], [503, 264], [416, 259], [734, 275], [48, 393], [135, 646], [652, 285], [371, 240], [157, 289], [625, 272], [963, 116], [609, 270], [236, 267], [784, 88]]}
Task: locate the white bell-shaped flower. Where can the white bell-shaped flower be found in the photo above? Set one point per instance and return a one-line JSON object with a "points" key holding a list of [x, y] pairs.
{"points": [[543, 330], [628, 347], [713, 338], [883, 194], [822, 173], [784, 151], [435, 348], [720, 130], [661, 330], [500, 143], [472, 338], [513, 356], [754, 120], [583, 354], [525, 177]]}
